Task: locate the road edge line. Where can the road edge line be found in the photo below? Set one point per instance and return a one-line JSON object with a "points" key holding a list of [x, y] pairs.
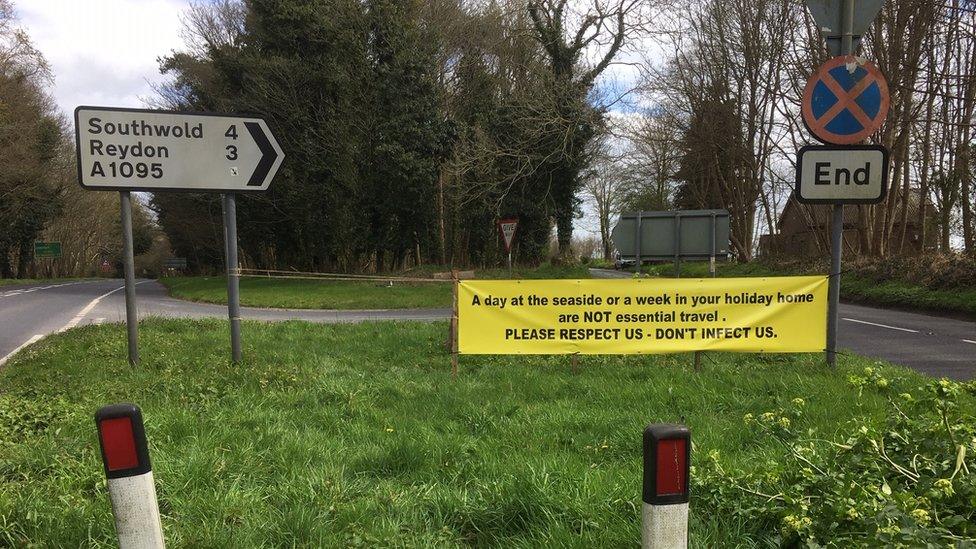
{"points": [[34, 339], [88, 308], [881, 325], [71, 323]]}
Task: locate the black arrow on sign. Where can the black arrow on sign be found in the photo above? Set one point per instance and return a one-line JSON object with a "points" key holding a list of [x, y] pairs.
{"points": [[268, 154]]}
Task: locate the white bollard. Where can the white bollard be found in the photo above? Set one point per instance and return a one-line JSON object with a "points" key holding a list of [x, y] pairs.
{"points": [[667, 458], [125, 455]]}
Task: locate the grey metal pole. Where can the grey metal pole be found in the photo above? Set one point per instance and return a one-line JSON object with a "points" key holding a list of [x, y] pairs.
{"points": [[509, 263], [847, 24], [677, 246], [837, 217], [233, 275], [637, 240], [833, 285], [711, 258], [129, 268]]}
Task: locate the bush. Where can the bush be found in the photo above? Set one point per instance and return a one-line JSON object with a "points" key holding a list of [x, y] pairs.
{"points": [[933, 271], [907, 482]]}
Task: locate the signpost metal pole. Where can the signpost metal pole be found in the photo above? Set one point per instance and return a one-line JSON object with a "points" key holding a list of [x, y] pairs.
{"points": [[837, 218], [182, 151], [506, 229], [128, 262], [637, 241], [711, 255], [677, 246], [233, 275], [833, 285]]}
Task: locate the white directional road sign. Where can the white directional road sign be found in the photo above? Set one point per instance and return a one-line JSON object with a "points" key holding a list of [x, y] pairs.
{"points": [[120, 149], [842, 175]]}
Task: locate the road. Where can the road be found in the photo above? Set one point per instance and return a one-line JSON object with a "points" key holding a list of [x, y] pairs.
{"points": [[937, 346], [30, 312], [940, 347]]}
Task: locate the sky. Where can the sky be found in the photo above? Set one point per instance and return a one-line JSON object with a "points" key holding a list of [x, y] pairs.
{"points": [[104, 53]]}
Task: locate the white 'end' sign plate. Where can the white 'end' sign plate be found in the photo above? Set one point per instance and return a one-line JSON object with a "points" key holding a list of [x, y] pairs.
{"points": [[132, 149], [855, 174]]}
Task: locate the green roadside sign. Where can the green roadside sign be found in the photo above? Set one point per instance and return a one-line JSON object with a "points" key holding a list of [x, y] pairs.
{"points": [[47, 250]]}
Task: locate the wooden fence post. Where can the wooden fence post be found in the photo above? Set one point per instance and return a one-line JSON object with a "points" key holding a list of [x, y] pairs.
{"points": [[454, 325]]}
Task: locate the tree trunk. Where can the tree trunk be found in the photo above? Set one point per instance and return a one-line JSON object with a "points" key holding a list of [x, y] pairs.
{"points": [[5, 269], [564, 232], [966, 197], [441, 231], [905, 198], [920, 218], [24, 258]]}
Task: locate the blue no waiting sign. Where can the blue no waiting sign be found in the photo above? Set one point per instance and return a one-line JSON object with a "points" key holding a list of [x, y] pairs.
{"points": [[843, 106]]}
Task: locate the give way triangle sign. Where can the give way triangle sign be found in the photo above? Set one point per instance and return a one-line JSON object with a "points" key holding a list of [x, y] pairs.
{"points": [[507, 228]]}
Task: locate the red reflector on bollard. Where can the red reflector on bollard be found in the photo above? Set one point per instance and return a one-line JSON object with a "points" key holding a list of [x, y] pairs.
{"points": [[122, 437], [672, 462], [667, 457], [119, 443]]}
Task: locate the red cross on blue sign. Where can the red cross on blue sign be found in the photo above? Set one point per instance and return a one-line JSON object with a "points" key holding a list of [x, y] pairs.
{"points": [[843, 106]]}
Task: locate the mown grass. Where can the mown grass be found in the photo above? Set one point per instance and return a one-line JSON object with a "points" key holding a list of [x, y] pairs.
{"points": [[314, 294], [341, 294], [543, 271], [853, 288], [356, 435], [908, 296]]}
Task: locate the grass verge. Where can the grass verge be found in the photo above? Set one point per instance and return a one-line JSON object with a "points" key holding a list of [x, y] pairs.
{"points": [[340, 294], [24, 281], [313, 294], [853, 288], [356, 435]]}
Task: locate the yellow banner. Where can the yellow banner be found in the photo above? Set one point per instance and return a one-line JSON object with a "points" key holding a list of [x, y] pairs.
{"points": [[649, 315]]}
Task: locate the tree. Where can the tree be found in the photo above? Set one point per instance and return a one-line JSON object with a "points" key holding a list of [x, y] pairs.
{"points": [[410, 127], [575, 122], [605, 185], [653, 162], [303, 66], [407, 139], [31, 145], [900, 57], [722, 88]]}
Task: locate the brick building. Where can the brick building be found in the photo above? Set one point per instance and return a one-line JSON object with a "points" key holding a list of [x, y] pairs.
{"points": [[804, 230]]}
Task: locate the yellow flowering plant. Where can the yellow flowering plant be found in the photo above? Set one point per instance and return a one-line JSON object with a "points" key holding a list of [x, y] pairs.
{"points": [[908, 482]]}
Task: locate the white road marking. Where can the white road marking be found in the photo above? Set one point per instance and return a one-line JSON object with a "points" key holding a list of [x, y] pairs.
{"points": [[881, 325], [34, 339], [71, 324], [969, 341], [12, 293], [98, 320], [91, 305], [81, 314]]}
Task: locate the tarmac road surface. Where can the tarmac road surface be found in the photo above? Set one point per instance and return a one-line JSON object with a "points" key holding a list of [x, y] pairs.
{"points": [[30, 312], [933, 345], [937, 346]]}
